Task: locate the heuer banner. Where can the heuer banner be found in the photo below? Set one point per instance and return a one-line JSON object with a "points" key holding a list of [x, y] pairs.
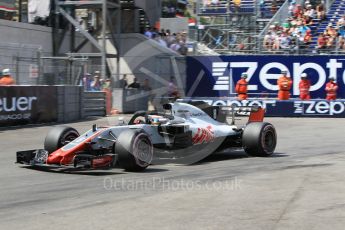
{"points": [[290, 108], [27, 105], [215, 76], [8, 5]]}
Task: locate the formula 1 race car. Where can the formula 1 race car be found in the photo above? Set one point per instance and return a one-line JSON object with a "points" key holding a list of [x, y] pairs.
{"points": [[183, 133]]}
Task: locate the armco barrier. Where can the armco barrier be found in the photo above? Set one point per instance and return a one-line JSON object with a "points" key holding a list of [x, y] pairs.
{"points": [[94, 104], [290, 108], [130, 100], [216, 76]]}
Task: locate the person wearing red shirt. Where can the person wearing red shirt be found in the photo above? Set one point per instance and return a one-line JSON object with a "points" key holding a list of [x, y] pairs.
{"points": [[321, 41], [331, 89], [284, 83], [304, 87], [242, 87]]}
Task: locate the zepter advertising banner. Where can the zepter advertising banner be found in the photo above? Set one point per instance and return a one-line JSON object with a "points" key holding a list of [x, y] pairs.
{"points": [[215, 76], [27, 105], [289, 108]]}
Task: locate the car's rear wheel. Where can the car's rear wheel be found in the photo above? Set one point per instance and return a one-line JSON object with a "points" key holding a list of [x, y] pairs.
{"points": [[59, 137], [259, 139], [134, 149]]}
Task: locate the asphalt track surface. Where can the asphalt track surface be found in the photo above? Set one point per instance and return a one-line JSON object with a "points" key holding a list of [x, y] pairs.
{"points": [[301, 187]]}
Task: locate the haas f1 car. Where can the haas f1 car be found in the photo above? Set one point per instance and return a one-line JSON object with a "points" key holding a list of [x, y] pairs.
{"points": [[184, 133]]}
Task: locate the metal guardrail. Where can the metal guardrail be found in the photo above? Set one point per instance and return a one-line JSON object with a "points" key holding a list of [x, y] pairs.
{"points": [[94, 104]]}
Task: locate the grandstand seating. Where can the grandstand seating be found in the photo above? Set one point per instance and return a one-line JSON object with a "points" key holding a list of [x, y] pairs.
{"points": [[246, 6], [220, 8], [336, 11], [266, 8]]}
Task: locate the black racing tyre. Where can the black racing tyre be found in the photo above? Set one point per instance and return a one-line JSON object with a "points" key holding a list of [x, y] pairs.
{"points": [[58, 137], [259, 139], [134, 149]]}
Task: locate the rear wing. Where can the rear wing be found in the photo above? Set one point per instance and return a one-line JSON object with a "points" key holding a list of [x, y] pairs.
{"points": [[255, 113]]}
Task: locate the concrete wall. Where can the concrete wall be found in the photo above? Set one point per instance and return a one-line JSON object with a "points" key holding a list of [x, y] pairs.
{"points": [[70, 103]]}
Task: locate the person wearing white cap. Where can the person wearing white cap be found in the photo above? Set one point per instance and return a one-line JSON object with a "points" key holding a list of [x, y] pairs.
{"points": [[7, 78], [331, 89], [284, 83], [242, 87], [304, 87]]}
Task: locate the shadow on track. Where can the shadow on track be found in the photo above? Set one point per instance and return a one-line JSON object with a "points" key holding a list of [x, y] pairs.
{"points": [[75, 171], [89, 172], [232, 155]]}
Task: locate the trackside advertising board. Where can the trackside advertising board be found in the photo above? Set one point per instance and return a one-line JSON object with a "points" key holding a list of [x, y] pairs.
{"points": [[216, 76], [27, 105], [290, 108]]}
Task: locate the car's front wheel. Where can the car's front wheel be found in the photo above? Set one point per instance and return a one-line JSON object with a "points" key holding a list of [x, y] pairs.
{"points": [[259, 139], [59, 137], [134, 149]]}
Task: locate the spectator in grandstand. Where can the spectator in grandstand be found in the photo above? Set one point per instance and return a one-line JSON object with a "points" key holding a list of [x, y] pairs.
{"points": [[87, 79], [284, 83], [309, 11], [106, 85], [96, 84], [6, 78], [214, 2], [135, 84], [284, 41], [262, 8], [274, 6], [307, 39], [331, 89], [161, 41], [304, 87], [269, 41], [330, 31], [321, 41], [148, 33], [242, 87], [291, 8], [297, 11], [320, 11]]}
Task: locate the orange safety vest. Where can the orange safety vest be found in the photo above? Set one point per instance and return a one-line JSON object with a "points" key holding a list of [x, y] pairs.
{"points": [[331, 89], [7, 80], [304, 86], [284, 83], [242, 86]]}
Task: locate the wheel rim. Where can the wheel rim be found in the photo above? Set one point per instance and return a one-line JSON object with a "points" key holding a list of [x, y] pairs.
{"points": [[143, 152], [269, 141], [69, 137]]}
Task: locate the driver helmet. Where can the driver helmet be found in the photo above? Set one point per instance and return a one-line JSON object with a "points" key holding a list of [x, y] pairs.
{"points": [[244, 75]]}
